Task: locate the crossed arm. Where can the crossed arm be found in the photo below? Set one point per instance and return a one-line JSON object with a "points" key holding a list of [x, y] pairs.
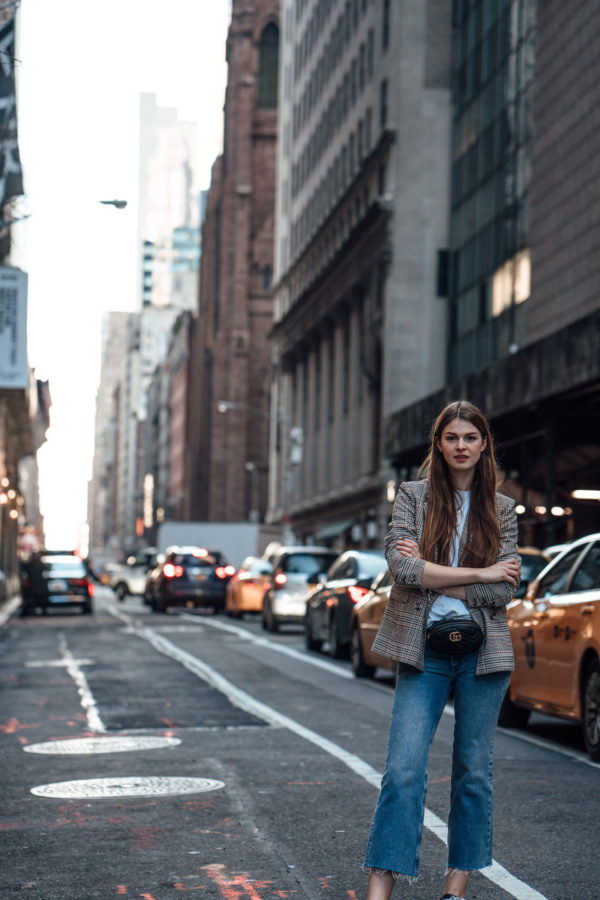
{"points": [[487, 586]]}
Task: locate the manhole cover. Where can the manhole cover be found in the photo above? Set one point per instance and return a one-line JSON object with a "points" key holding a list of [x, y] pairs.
{"points": [[100, 788], [101, 745]]}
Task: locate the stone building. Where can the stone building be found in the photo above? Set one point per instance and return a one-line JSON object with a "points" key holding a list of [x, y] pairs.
{"points": [[230, 349], [361, 241], [524, 273]]}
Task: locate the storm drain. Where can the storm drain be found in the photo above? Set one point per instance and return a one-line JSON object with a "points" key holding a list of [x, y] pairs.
{"points": [[80, 746], [103, 788]]}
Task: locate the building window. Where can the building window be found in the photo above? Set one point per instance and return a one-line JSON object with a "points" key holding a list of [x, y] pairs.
{"points": [[385, 27], [267, 274], [268, 67], [383, 104]]}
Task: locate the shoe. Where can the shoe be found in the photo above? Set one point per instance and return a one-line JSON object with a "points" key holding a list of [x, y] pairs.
{"points": [[451, 897]]}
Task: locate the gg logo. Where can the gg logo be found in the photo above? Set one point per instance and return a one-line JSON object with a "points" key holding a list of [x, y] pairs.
{"points": [[455, 636]]}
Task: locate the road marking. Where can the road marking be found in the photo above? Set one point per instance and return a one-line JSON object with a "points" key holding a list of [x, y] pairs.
{"points": [[280, 648], [495, 873], [94, 721]]}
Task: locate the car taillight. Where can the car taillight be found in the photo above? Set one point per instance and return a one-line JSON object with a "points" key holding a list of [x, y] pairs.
{"points": [[220, 572], [230, 570], [280, 579], [171, 571], [91, 589], [357, 593]]}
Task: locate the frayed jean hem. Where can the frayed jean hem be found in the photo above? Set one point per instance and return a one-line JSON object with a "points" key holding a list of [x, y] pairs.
{"points": [[397, 876]]}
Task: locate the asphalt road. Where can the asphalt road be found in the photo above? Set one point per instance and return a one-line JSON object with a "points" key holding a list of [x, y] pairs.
{"points": [[264, 776]]}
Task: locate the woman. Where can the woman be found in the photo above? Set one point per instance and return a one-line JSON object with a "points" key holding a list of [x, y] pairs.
{"points": [[452, 551]]}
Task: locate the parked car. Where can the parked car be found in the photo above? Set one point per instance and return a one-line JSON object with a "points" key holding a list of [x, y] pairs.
{"points": [[555, 631], [191, 577], [532, 563], [130, 577], [329, 606], [60, 580], [294, 568], [246, 589], [364, 623]]}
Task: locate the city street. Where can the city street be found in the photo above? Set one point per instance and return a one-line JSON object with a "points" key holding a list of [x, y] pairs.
{"points": [[221, 762]]}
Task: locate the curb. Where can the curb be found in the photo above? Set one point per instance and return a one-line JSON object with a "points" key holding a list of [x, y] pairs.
{"points": [[9, 609]]}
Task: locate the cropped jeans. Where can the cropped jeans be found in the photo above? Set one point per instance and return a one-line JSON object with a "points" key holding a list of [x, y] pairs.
{"points": [[420, 697]]}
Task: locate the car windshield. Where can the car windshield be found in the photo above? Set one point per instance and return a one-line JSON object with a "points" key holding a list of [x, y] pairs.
{"points": [[63, 567], [371, 565], [307, 563], [531, 566], [194, 562]]}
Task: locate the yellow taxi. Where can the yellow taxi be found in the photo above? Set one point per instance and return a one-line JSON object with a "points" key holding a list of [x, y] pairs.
{"points": [[247, 588], [365, 620], [555, 630]]}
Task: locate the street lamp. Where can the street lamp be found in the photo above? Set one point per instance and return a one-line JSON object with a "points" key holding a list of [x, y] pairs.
{"points": [[225, 405]]}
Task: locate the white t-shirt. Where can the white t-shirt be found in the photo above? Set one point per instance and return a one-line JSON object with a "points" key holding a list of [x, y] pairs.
{"points": [[452, 606]]}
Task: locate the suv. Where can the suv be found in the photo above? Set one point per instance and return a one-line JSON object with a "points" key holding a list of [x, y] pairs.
{"points": [[130, 577], [189, 576], [294, 569]]}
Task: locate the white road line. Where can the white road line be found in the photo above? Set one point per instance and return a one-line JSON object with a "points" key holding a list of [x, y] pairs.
{"points": [[577, 755], [94, 721], [280, 648], [495, 873]]}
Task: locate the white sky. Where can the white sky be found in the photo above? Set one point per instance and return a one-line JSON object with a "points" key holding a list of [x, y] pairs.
{"points": [[82, 68]]}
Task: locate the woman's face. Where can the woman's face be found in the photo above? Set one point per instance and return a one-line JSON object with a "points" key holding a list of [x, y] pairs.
{"points": [[461, 445]]}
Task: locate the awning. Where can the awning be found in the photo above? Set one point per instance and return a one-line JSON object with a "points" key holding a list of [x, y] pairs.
{"points": [[333, 530]]}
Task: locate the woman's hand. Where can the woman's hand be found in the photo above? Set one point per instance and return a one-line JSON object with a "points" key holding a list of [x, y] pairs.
{"points": [[505, 570], [409, 548]]}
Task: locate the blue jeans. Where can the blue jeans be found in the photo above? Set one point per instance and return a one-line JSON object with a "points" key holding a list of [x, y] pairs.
{"points": [[395, 839]]}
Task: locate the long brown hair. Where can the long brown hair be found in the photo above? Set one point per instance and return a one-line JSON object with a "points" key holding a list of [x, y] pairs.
{"points": [[483, 538]]}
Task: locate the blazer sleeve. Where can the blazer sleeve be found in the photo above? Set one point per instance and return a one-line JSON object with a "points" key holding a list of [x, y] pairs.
{"points": [[499, 594], [405, 571]]}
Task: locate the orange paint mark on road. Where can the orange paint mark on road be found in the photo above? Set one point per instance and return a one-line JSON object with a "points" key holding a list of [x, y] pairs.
{"points": [[147, 896], [23, 740], [8, 826], [324, 883], [144, 838], [180, 886], [121, 889], [168, 723], [351, 895], [13, 725], [229, 884], [442, 780]]}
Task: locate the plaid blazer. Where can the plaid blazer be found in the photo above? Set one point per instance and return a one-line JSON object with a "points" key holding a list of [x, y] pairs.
{"points": [[402, 633]]}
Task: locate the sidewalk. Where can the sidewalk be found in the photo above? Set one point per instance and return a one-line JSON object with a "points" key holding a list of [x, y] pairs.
{"points": [[8, 608]]}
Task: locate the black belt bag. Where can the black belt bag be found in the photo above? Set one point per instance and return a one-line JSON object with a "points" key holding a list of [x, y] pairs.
{"points": [[455, 636]]}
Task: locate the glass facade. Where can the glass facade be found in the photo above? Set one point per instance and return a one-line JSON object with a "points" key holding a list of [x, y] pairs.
{"points": [[493, 63]]}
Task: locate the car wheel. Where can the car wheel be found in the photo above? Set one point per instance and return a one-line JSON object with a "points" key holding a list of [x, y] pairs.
{"points": [[272, 624], [361, 668], [591, 710], [511, 715], [121, 591], [159, 605], [310, 641], [336, 649]]}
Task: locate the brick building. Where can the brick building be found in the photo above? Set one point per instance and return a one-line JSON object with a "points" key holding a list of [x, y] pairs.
{"points": [[231, 355]]}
